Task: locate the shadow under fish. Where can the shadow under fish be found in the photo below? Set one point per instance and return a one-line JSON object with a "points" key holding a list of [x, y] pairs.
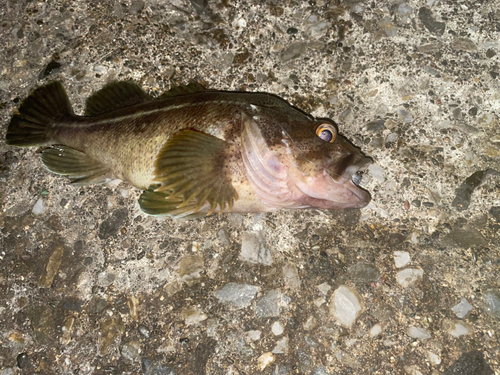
{"points": [[193, 151]]}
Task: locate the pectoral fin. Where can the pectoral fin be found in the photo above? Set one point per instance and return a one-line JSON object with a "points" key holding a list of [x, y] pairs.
{"points": [[81, 169], [192, 170], [158, 203]]}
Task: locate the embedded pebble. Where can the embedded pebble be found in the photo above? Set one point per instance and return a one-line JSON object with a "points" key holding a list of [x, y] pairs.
{"points": [[293, 51], [387, 27], [462, 308], [464, 44], [324, 288], [347, 359], [401, 258], [291, 276], [412, 370], [457, 328], [22, 360], [310, 323], [193, 316], [433, 358], [375, 330], [404, 11], [491, 300], [316, 28], [268, 306], [212, 326], [281, 346], [409, 276], [253, 250], [391, 138], [238, 296], [100, 69], [265, 360], [320, 370], [52, 267], [131, 351], [190, 268], [363, 272], [136, 7], [254, 335], [430, 23], [277, 328], [419, 333], [39, 207], [345, 305], [144, 331], [377, 172], [106, 278], [464, 192]]}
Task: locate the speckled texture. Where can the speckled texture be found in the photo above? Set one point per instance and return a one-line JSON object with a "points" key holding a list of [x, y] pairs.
{"points": [[89, 285]]}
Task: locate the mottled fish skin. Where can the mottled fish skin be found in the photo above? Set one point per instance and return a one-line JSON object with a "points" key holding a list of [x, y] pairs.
{"points": [[266, 151]]}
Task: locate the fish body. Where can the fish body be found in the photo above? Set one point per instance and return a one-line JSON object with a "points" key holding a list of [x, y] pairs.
{"points": [[194, 151]]}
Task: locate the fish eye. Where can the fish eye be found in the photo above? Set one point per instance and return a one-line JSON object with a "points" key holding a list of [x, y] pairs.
{"points": [[326, 132]]}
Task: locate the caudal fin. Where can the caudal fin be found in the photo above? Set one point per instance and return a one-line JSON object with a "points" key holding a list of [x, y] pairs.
{"points": [[37, 113]]}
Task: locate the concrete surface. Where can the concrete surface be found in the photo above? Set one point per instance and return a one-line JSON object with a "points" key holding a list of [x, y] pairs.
{"points": [[408, 285]]}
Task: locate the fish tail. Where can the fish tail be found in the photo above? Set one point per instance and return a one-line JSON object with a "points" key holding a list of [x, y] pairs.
{"points": [[38, 115]]}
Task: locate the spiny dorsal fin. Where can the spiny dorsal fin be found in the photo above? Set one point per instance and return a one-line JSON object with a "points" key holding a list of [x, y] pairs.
{"points": [[114, 96], [192, 167], [190, 88], [81, 169]]}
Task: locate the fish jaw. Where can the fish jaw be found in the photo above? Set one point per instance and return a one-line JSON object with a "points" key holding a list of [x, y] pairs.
{"points": [[321, 190]]}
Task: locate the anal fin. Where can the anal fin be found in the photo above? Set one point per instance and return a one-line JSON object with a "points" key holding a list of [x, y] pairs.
{"points": [[80, 168]]}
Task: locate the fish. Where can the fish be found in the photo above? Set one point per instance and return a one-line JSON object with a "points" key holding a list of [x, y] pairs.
{"points": [[194, 151]]}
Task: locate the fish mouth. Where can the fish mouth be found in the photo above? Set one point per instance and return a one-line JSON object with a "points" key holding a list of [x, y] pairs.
{"points": [[352, 179], [344, 191]]}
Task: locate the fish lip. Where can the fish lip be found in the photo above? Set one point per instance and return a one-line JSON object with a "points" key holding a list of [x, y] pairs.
{"points": [[351, 182]]}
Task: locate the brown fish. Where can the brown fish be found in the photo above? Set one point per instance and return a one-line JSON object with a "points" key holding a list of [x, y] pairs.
{"points": [[194, 151]]}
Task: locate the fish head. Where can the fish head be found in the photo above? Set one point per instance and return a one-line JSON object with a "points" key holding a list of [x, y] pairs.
{"points": [[300, 162]]}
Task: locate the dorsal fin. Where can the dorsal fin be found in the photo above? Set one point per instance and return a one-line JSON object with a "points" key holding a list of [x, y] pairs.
{"points": [[114, 96], [190, 88]]}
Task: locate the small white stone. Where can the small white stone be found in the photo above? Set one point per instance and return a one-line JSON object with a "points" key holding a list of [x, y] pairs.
{"points": [[254, 335], [409, 276], [100, 69], [281, 346], [414, 237], [241, 22], [192, 316], [375, 330], [319, 301], [310, 323], [388, 343], [39, 207], [277, 328], [419, 333], [457, 328], [377, 172], [433, 358], [412, 370], [345, 305], [462, 308], [324, 288], [401, 258], [264, 360]]}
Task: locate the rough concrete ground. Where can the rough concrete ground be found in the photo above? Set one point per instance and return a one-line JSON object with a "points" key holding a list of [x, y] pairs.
{"points": [[90, 285]]}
